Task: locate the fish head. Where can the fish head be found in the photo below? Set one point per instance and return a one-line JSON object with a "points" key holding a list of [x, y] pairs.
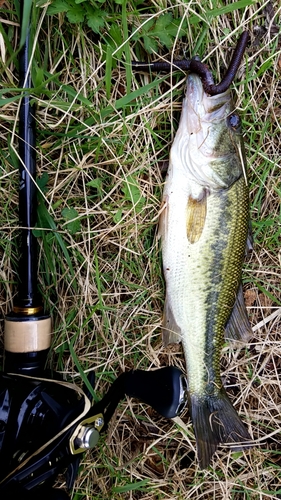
{"points": [[208, 139], [204, 110]]}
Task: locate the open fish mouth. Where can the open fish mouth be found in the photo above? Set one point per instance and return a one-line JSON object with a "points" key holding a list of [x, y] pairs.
{"points": [[205, 139], [201, 108]]}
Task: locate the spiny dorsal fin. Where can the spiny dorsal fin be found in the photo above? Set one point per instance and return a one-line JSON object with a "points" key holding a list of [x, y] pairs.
{"points": [[195, 218]]}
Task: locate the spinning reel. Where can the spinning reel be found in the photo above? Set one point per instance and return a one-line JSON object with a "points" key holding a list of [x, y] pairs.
{"points": [[46, 423]]}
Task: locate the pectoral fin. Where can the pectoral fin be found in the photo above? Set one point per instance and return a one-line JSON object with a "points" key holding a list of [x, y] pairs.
{"points": [[171, 332], [238, 326], [195, 218]]}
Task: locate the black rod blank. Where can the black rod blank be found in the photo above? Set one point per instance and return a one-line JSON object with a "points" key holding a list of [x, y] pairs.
{"points": [[27, 295], [27, 336]]}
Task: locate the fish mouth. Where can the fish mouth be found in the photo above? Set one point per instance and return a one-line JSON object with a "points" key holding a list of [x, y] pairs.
{"points": [[201, 107]]}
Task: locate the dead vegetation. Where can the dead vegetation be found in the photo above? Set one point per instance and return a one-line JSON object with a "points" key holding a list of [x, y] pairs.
{"points": [[104, 148]]}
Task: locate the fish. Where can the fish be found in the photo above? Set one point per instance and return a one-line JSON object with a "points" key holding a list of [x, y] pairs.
{"points": [[204, 231]]}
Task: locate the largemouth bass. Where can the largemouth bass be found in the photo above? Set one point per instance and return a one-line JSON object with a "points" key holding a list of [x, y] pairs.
{"points": [[204, 228]]}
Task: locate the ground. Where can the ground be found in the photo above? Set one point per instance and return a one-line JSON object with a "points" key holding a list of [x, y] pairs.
{"points": [[103, 140]]}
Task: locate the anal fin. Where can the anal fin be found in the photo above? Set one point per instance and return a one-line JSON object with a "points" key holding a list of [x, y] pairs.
{"points": [[171, 332], [250, 239], [238, 326], [163, 218]]}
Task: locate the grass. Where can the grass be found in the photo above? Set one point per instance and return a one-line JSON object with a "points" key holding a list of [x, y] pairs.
{"points": [[103, 138]]}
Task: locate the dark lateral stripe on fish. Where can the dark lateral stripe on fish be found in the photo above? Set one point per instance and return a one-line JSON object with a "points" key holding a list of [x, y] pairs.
{"points": [[226, 273]]}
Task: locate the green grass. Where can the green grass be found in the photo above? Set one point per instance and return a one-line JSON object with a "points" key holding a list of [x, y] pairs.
{"points": [[103, 141]]}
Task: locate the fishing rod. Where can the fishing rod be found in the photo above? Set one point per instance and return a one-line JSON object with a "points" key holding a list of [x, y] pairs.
{"points": [[28, 327], [45, 422]]}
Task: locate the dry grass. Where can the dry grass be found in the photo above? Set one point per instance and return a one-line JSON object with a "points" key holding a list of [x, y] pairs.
{"points": [[109, 308]]}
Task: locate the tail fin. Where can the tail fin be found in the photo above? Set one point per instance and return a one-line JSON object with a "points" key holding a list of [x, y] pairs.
{"points": [[215, 421]]}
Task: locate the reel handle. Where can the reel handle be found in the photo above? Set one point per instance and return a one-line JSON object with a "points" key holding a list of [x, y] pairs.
{"points": [[165, 390]]}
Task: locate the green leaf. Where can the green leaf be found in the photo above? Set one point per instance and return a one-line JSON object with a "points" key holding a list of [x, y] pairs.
{"points": [[148, 25], [236, 454], [42, 182], [151, 30], [76, 15], [96, 19], [126, 48], [37, 76], [268, 294], [127, 99], [221, 11], [163, 21], [46, 221], [118, 216], [108, 70], [138, 485], [166, 29], [81, 371], [13, 156], [230, 8], [132, 193], [57, 7], [3, 102], [72, 93], [38, 233], [165, 39], [177, 28], [70, 215], [27, 5], [115, 40], [96, 183], [150, 45]]}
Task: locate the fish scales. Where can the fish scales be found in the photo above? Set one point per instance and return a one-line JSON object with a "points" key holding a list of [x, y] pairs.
{"points": [[204, 228]]}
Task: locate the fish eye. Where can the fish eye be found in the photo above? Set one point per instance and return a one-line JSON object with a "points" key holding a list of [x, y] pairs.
{"points": [[234, 122]]}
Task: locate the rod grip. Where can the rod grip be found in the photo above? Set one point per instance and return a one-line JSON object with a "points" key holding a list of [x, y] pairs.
{"points": [[24, 335]]}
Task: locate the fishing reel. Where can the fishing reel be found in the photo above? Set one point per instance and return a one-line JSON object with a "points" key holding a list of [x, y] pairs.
{"points": [[45, 424]]}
